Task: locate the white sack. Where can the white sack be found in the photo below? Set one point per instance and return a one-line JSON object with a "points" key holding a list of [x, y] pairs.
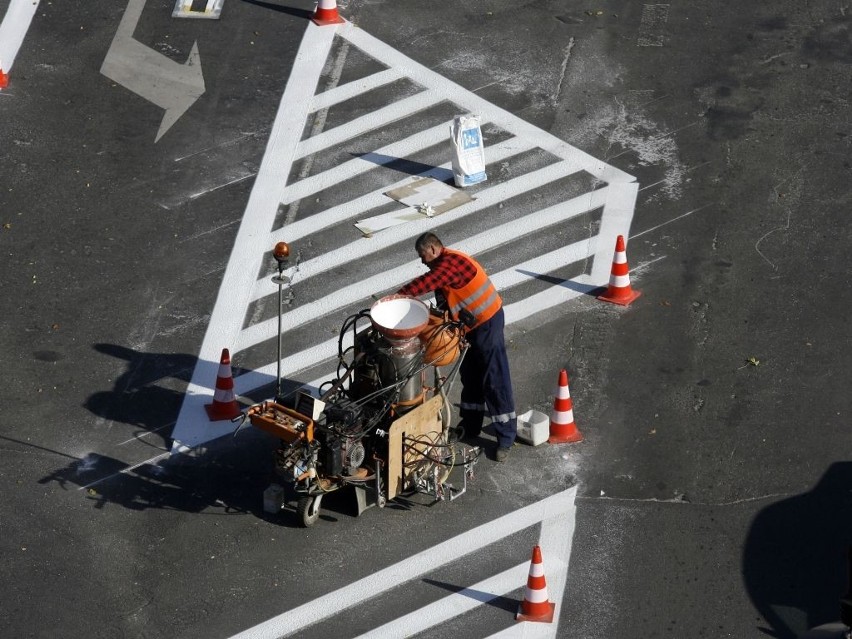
{"points": [[468, 150]]}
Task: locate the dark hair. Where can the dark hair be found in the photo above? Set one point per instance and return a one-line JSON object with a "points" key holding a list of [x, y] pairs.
{"points": [[427, 239]]}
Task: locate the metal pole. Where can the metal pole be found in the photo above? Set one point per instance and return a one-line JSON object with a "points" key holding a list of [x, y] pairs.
{"points": [[281, 253], [280, 311]]}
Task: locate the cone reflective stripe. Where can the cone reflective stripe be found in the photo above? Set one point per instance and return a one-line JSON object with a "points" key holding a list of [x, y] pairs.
{"points": [[536, 605], [563, 430], [326, 13], [619, 291], [224, 404]]}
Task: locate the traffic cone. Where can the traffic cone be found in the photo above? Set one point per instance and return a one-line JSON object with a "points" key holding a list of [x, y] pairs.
{"points": [[536, 605], [4, 77], [619, 291], [224, 404], [326, 13], [563, 430]]}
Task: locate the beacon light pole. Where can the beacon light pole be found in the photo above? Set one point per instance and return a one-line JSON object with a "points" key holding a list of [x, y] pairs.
{"points": [[281, 253]]}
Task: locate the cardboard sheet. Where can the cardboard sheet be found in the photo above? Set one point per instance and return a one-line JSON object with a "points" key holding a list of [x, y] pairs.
{"points": [[425, 197]]}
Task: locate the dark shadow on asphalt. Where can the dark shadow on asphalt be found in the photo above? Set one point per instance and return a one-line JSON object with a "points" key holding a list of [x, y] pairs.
{"points": [[586, 289], [293, 11], [228, 478], [138, 397], [503, 603], [141, 396], [407, 166], [795, 556]]}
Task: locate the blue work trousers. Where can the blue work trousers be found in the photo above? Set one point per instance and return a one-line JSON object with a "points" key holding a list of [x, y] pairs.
{"points": [[487, 384]]}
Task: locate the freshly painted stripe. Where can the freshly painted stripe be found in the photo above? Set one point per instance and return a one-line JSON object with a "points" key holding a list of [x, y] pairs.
{"points": [[13, 29], [355, 88], [494, 195], [475, 104], [352, 168], [235, 290], [356, 208], [369, 122], [558, 509], [480, 243], [454, 605], [229, 314]]}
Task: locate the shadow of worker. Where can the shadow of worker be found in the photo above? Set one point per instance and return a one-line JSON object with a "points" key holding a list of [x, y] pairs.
{"points": [[794, 560]]}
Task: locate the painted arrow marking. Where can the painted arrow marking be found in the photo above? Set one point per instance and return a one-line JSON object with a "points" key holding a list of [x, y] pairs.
{"points": [[171, 85]]}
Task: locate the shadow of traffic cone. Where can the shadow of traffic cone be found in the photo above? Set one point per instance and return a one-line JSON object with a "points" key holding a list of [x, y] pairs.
{"points": [[619, 291], [563, 430], [4, 77], [224, 404], [536, 605], [326, 13]]}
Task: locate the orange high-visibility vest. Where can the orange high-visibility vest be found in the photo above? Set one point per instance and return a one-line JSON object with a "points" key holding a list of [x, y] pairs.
{"points": [[477, 296]]}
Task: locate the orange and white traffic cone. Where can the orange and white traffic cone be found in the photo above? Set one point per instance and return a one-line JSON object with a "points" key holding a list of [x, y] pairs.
{"points": [[536, 605], [224, 404], [4, 77], [326, 13], [619, 291], [563, 430]]}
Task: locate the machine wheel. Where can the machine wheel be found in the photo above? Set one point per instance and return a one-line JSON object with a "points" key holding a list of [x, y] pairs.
{"points": [[308, 510]]}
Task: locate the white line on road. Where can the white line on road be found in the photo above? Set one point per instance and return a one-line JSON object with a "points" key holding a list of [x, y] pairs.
{"points": [[556, 513], [241, 286], [353, 209], [14, 27], [452, 606]]}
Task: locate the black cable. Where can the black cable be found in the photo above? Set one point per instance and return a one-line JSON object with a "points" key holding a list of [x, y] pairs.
{"points": [[434, 444]]}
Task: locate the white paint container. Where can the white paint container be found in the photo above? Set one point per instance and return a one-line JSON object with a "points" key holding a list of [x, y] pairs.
{"points": [[533, 427], [273, 499]]}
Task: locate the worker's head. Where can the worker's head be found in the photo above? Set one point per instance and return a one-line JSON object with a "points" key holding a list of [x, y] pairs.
{"points": [[428, 247]]}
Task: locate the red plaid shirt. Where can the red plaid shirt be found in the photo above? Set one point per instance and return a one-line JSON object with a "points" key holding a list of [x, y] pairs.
{"points": [[448, 270]]}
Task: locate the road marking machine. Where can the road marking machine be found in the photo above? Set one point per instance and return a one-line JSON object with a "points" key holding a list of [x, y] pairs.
{"points": [[382, 425]]}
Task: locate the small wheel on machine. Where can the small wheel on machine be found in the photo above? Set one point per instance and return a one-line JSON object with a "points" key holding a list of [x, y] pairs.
{"points": [[308, 510]]}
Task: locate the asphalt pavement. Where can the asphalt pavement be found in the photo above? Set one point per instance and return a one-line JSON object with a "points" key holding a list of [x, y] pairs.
{"points": [[710, 495]]}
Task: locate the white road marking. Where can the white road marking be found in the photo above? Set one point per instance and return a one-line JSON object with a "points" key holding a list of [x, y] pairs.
{"points": [[557, 515], [369, 122], [674, 219], [482, 242], [129, 469], [354, 89], [169, 84], [452, 606], [354, 208], [241, 286], [13, 29]]}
